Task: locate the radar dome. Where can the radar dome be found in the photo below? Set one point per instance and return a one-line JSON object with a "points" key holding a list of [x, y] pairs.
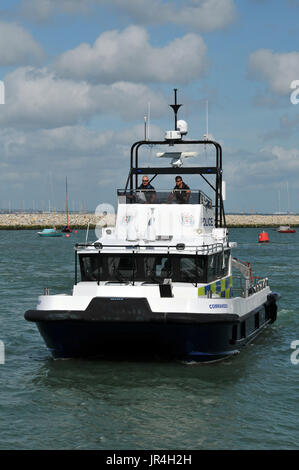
{"points": [[182, 127]]}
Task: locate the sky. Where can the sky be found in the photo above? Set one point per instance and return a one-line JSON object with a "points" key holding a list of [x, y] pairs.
{"points": [[80, 75]]}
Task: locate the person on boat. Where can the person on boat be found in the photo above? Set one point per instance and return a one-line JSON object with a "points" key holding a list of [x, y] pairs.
{"points": [[146, 192], [181, 192]]}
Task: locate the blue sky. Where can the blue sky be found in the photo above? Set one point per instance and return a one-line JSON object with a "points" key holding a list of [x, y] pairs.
{"points": [[79, 76]]}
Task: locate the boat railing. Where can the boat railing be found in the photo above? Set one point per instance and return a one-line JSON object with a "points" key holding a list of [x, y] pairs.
{"points": [[241, 288], [167, 196], [145, 248]]}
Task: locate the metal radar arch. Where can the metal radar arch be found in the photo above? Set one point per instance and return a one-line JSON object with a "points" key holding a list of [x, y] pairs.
{"points": [[175, 138]]}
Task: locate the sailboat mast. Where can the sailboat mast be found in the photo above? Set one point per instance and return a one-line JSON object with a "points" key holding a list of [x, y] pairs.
{"points": [[279, 200], [288, 197], [66, 203]]}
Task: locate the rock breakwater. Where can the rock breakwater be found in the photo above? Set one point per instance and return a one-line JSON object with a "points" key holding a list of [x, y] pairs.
{"points": [[80, 221], [40, 221]]}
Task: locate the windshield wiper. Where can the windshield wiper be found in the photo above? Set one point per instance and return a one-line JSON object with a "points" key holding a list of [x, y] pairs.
{"points": [[187, 277], [118, 275]]}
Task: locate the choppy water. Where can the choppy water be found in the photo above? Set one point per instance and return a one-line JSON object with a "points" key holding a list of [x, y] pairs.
{"points": [[247, 402]]}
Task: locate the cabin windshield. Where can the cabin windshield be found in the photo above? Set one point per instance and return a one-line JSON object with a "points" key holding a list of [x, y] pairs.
{"points": [[153, 268], [174, 196]]}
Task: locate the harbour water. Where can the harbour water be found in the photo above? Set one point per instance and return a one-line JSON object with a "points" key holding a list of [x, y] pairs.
{"points": [[247, 402]]}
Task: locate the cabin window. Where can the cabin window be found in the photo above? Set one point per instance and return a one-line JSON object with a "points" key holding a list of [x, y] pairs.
{"points": [[250, 325], [257, 321], [191, 269], [243, 329], [144, 268], [156, 268], [108, 268], [91, 268], [119, 268], [218, 265]]}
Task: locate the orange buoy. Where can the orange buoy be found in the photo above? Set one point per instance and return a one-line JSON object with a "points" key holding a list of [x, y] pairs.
{"points": [[263, 237], [67, 235]]}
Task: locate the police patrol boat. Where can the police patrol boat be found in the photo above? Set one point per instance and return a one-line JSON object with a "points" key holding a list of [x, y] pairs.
{"points": [[160, 282]]}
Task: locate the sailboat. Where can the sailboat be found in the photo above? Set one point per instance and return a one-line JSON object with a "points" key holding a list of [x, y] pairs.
{"points": [[67, 228], [50, 232], [285, 228]]}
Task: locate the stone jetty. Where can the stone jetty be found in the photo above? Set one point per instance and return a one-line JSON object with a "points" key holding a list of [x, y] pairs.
{"points": [[49, 220], [260, 220], [80, 221]]}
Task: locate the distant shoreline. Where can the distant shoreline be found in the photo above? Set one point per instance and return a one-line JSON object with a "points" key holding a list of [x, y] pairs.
{"points": [[80, 221]]}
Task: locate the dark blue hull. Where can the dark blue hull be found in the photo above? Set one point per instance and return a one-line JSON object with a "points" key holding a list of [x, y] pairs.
{"points": [[126, 328], [129, 340]]}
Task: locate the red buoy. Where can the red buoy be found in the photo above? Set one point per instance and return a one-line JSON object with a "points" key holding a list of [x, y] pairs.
{"points": [[263, 237]]}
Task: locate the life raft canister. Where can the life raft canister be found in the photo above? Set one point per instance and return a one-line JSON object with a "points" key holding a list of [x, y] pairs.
{"points": [[263, 237]]}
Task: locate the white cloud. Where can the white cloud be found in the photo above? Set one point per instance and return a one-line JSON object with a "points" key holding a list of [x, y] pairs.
{"points": [[41, 146], [102, 160], [42, 10], [277, 70], [287, 160], [263, 169], [69, 141], [37, 98], [18, 46], [204, 15], [96, 163], [129, 56], [39, 10], [287, 127]]}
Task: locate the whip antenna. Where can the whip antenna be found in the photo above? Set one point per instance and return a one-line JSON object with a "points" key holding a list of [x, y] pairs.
{"points": [[175, 108], [145, 136], [207, 117]]}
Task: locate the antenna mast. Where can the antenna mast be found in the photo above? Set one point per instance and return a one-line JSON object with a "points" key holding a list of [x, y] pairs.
{"points": [[288, 197], [148, 120], [207, 118], [147, 123], [66, 202], [145, 136], [175, 108]]}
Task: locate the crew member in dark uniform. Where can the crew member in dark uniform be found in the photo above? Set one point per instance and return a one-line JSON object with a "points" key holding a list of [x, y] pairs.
{"points": [[181, 192], [147, 191]]}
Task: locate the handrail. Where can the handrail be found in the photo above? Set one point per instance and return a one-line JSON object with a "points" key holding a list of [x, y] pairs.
{"points": [[248, 289], [180, 247], [135, 196]]}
